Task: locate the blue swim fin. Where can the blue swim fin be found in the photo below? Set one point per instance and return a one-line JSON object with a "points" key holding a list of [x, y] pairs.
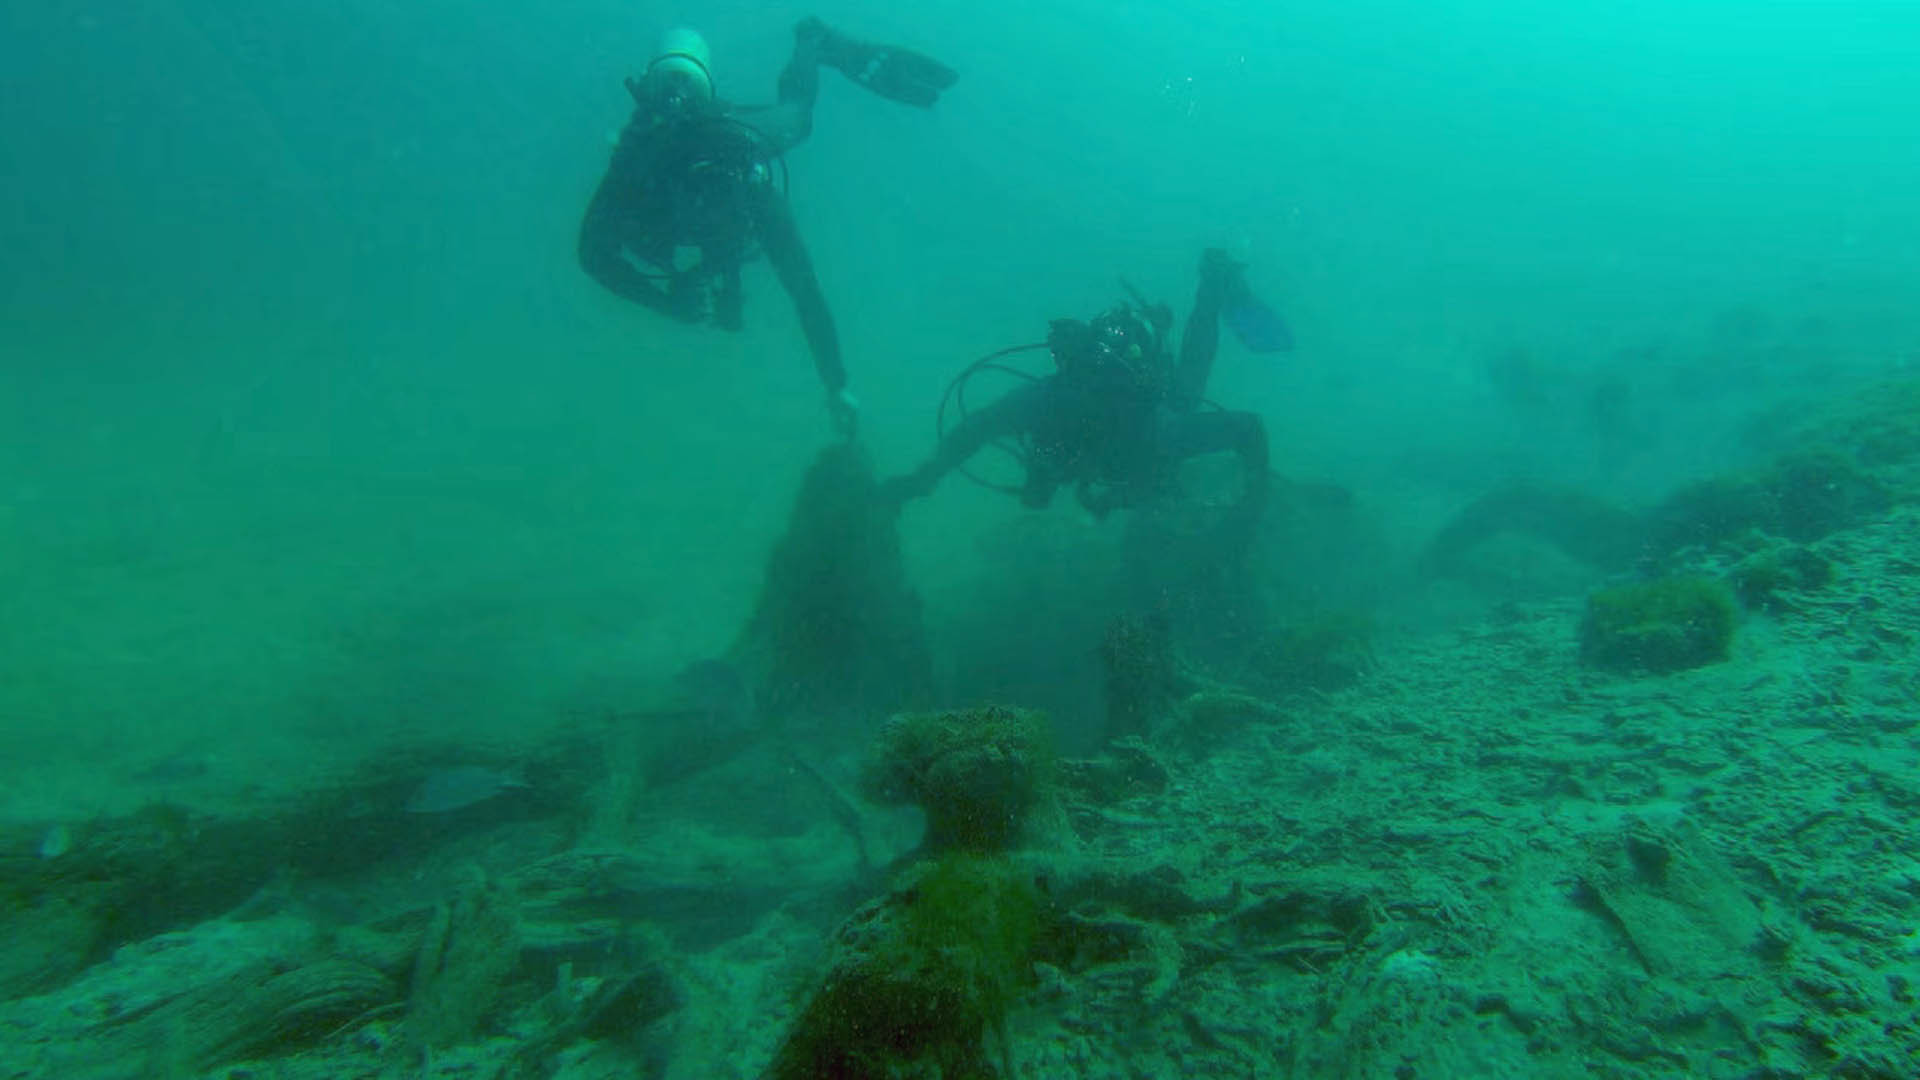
{"points": [[1259, 327]]}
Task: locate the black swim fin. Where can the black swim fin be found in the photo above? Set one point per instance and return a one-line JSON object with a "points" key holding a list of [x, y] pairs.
{"points": [[890, 71], [898, 74]]}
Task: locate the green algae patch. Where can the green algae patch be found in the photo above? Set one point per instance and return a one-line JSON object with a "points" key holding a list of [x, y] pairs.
{"points": [[978, 774], [922, 978], [1665, 625]]}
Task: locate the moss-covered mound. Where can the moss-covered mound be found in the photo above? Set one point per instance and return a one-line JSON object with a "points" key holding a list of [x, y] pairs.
{"points": [[1774, 569], [1801, 496], [977, 773], [1326, 651], [921, 979], [1669, 624]]}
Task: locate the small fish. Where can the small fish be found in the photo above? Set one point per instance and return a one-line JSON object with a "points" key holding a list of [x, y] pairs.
{"points": [[459, 787]]}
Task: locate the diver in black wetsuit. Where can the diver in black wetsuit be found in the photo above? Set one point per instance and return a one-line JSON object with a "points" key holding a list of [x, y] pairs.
{"points": [[1119, 415], [692, 190]]}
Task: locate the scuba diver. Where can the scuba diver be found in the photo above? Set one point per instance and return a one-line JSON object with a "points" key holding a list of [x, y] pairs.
{"points": [[692, 190], [1119, 414]]}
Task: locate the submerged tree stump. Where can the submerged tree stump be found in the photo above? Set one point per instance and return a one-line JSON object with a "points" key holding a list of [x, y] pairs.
{"points": [[470, 951], [837, 628]]}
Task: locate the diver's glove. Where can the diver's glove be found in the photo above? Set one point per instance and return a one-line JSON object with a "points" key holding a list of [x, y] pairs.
{"points": [[844, 408]]}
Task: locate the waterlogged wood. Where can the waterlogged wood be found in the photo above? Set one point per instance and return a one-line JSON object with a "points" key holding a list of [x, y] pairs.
{"points": [[258, 1011]]}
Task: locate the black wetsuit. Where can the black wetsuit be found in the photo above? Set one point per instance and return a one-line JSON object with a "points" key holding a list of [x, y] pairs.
{"points": [[709, 182], [1118, 441]]}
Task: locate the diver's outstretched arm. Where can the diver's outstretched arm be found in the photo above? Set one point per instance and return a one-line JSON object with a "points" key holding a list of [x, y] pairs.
{"points": [[780, 237], [1006, 417]]}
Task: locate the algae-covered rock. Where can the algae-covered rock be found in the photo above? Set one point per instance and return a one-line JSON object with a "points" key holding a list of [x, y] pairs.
{"points": [[1665, 625], [921, 979], [977, 773], [1323, 652], [1761, 577], [1800, 496]]}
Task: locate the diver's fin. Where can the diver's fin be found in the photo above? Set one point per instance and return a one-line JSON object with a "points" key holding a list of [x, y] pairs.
{"points": [[892, 72], [898, 74], [1259, 327]]}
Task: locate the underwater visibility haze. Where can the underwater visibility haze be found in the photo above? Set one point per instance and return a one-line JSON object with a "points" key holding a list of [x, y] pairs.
{"points": [[1495, 655]]}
